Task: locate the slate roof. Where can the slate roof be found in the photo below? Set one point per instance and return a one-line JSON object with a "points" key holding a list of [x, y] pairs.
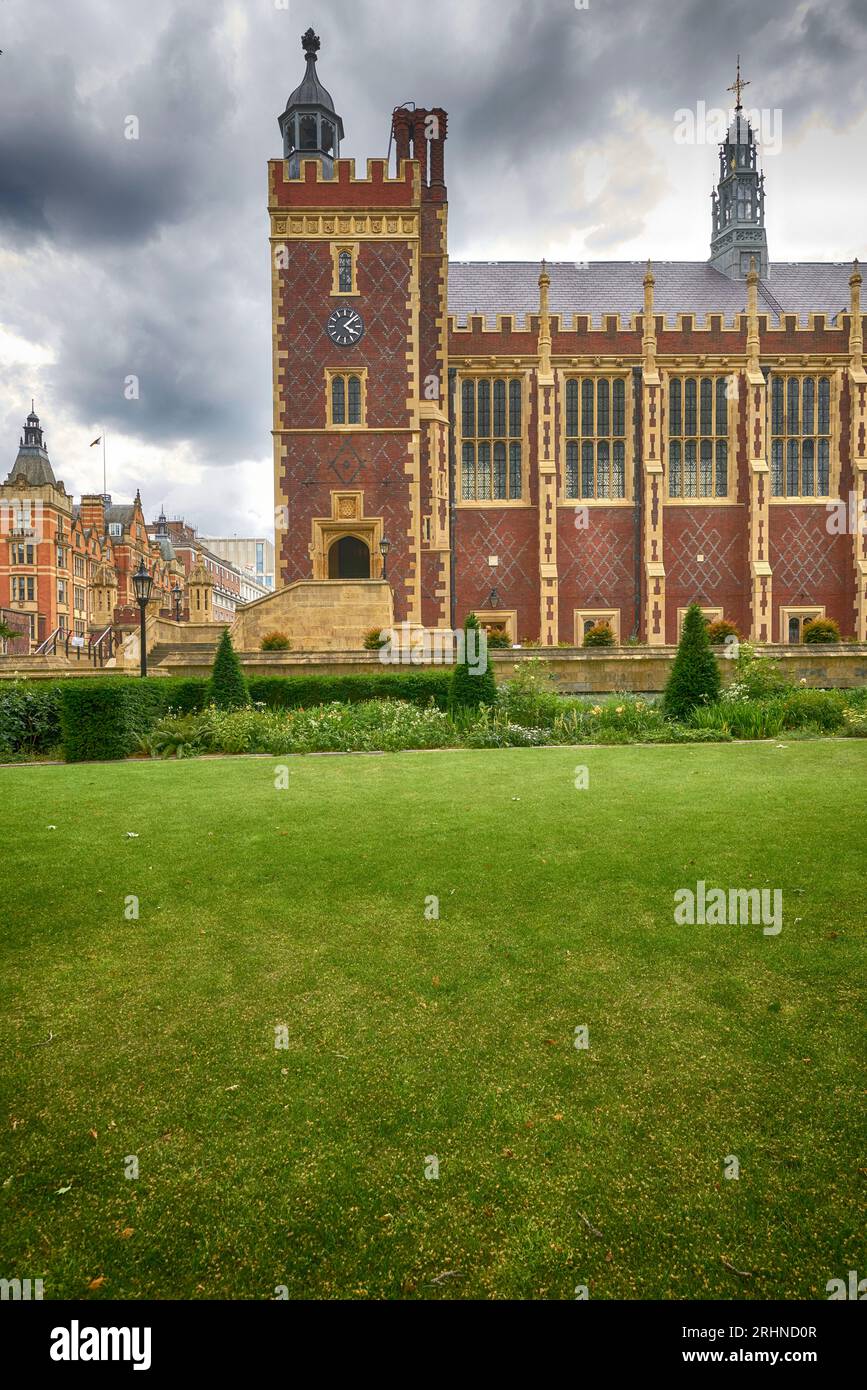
{"points": [[611, 287], [35, 466], [122, 512]]}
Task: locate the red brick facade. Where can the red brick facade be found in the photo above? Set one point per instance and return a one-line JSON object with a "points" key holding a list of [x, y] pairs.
{"points": [[644, 554]]}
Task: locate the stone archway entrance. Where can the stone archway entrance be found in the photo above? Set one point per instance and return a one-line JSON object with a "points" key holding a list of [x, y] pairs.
{"points": [[349, 558]]}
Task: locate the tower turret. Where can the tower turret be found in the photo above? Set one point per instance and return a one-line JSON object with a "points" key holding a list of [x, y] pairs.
{"points": [[738, 203], [310, 126]]}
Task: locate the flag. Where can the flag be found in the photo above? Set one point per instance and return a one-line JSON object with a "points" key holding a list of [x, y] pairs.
{"points": [[96, 441]]}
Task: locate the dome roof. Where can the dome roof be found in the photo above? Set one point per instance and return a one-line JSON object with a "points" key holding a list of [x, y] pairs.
{"points": [[311, 91]]}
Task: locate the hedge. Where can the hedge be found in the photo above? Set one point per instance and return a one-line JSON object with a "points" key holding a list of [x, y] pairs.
{"points": [[292, 692], [102, 720]]}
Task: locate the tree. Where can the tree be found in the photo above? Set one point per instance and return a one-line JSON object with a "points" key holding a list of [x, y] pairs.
{"points": [[8, 634], [227, 688], [695, 678], [472, 685]]}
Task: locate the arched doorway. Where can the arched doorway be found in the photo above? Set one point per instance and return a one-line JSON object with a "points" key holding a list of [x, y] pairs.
{"points": [[349, 558]]}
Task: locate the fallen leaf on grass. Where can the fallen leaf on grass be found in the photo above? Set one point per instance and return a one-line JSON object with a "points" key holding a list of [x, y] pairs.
{"points": [[97, 1283]]}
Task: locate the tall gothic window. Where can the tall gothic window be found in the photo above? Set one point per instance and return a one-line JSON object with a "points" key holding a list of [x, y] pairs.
{"points": [[698, 435], [346, 399], [800, 436], [491, 439], [595, 438], [344, 272]]}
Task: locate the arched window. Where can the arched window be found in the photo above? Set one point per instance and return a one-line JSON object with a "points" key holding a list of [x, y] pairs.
{"points": [[468, 404], [344, 272], [675, 418], [484, 408], [689, 405], [500, 465], [618, 393], [309, 134], [338, 400], [514, 471], [499, 408], [515, 409], [706, 405], [572, 468], [800, 447], [491, 418], [587, 407], [354, 400], [468, 478], [698, 427], [601, 404], [603, 397]]}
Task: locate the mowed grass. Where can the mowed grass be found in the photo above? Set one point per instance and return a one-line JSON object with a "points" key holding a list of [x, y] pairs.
{"points": [[410, 1038]]}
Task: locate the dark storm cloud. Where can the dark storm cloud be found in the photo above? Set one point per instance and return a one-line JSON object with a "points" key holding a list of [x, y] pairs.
{"points": [[150, 257]]}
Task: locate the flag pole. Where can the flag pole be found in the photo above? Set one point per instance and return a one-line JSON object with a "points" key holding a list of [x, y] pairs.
{"points": [[104, 484]]}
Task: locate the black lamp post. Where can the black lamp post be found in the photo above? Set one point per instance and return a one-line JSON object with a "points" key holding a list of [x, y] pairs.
{"points": [[176, 595], [142, 584], [384, 548]]}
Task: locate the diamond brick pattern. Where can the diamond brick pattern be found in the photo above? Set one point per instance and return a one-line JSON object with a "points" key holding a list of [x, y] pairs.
{"points": [[701, 534], [801, 557]]}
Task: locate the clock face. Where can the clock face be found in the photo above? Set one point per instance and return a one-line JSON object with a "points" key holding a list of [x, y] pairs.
{"points": [[345, 327]]}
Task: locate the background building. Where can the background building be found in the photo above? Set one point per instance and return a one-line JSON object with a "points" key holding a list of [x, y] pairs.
{"points": [[233, 587], [251, 555]]}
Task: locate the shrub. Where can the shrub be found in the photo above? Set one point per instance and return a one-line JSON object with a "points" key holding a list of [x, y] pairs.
{"points": [[227, 688], [821, 710], [695, 677], [498, 639], [275, 642], [756, 677], [105, 719], [855, 722], [599, 635], [719, 630], [472, 686], [374, 640], [821, 630], [29, 717]]}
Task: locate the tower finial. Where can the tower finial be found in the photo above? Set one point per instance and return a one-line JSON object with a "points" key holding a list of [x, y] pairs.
{"points": [[737, 87], [311, 44]]}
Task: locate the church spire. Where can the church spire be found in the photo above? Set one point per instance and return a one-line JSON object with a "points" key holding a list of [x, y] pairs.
{"points": [[738, 203]]}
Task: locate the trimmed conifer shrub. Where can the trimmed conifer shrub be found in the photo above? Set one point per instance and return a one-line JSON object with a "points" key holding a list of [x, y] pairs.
{"points": [[719, 630], [821, 630], [472, 685], [695, 678], [275, 642], [599, 635], [227, 688]]}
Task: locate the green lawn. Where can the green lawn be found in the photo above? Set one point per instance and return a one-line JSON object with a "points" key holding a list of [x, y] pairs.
{"points": [[409, 1037]]}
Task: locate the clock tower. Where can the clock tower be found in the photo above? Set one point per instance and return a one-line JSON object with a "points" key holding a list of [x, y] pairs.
{"points": [[359, 268]]}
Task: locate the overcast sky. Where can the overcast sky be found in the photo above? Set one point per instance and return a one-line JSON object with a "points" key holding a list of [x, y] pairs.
{"points": [[149, 257]]}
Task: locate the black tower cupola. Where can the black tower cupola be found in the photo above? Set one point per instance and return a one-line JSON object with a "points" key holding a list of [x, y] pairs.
{"points": [[310, 126]]}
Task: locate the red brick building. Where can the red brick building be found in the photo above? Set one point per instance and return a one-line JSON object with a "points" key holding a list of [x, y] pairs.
{"points": [[607, 440]]}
